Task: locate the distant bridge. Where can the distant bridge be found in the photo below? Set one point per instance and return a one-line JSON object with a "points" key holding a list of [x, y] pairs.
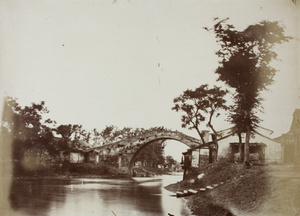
{"points": [[127, 149]]}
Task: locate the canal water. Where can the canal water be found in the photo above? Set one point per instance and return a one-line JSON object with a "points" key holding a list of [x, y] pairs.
{"points": [[89, 197]]}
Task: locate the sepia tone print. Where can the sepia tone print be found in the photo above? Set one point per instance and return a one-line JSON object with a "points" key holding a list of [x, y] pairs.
{"points": [[132, 107]]}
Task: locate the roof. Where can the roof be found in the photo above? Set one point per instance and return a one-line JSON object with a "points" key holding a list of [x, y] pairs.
{"points": [[295, 126], [223, 134], [79, 145], [251, 144], [256, 137]]}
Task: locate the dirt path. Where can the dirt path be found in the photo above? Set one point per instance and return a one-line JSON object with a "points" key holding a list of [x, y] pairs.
{"points": [[284, 196]]}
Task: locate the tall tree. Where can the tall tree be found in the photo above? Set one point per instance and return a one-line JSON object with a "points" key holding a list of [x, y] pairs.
{"points": [[96, 137], [108, 133], [71, 134], [65, 131], [29, 132], [152, 155], [201, 105], [26, 124], [244, 65], [170, 161]]}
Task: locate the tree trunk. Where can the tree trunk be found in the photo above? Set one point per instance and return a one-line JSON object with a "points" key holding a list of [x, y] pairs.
{"points": [[240, 148], [199, 160], [215, 140], [200, 135], [212, 155], [247, 143]]}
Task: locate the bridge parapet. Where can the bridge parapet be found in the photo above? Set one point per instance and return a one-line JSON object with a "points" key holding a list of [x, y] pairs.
{"points": [[142, 139]]}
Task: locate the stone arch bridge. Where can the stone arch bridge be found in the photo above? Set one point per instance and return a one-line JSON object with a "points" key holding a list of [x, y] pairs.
{"points": [[127, 149]]}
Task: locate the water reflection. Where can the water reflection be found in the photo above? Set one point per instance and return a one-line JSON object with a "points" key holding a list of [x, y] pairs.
{"points": [[32, 199], [96, 197]]}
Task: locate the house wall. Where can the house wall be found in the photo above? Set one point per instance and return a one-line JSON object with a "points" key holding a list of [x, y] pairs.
{"points": [[92, 158], [224, 146], [76, 157], [291, 145], [273, 150], [195, 158]]}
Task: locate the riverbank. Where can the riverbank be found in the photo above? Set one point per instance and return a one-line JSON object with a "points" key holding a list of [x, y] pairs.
{"points": [[235, 190]]}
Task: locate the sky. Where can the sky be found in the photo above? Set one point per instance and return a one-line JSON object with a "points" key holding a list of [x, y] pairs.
{"points": [[122, 62]]}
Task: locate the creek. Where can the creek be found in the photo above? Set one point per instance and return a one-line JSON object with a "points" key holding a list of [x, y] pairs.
{"points": [[96, 196]]}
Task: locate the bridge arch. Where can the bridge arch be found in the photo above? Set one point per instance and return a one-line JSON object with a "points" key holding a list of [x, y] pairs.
{"points": [[129, 148], [141, 148]]}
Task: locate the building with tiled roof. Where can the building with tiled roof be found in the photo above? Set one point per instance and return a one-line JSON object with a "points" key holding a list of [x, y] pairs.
{"points": [[262, 148], [291, 140]]}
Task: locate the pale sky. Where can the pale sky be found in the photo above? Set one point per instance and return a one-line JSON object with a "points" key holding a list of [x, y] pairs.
{"points": [[123, 62]]}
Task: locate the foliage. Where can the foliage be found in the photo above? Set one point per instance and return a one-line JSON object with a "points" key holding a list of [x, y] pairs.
{"points": [[126, 132], [35, 149], [25, 124], [245, 58], [112, 133], [35, 159], [72, 132], [28, 132], [95, 136], [169, 161], [244, 65], [152, 154], [108, 133], [72, 136], [65, 131], [198, 104]]}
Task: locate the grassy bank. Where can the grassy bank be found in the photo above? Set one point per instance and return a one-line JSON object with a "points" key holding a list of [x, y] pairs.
{"points": [[240, 191]]}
